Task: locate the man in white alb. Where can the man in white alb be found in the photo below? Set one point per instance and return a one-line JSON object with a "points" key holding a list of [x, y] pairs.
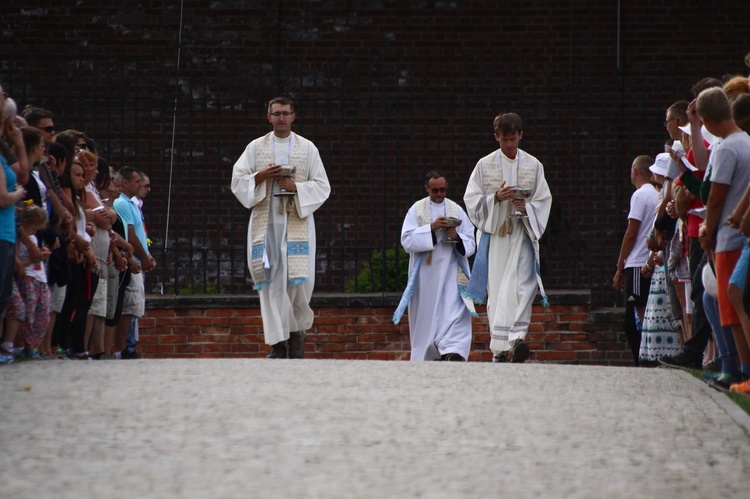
{"points": [[281, 233], [509, 226], [439, 318]]}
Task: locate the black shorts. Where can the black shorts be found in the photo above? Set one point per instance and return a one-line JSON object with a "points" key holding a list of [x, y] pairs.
{"points": [[636, 287]]}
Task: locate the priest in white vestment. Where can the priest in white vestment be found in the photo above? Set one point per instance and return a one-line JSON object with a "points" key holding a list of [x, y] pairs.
{"points": [[439, 318], [281, 232], [506, 267]]}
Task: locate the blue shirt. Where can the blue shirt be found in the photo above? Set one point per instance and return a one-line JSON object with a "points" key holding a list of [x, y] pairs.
{"points": [[130, 215], [8, 214]]}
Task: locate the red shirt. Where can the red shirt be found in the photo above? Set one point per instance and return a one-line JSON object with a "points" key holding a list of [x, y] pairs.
{"points": [[694, 221]]}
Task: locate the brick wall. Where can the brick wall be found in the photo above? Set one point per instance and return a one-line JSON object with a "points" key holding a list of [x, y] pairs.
{"points": [[387, 90], [360, 327]]}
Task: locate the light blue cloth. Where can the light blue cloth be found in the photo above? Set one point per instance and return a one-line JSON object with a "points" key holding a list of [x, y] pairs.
{"points": [[477, 289], [412, 284], [409, 291]]}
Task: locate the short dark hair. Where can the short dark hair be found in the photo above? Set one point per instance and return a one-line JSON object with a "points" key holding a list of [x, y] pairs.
{"points": [[126, 172], [432, 174], [705, 83], [507, 123], [679, 110], [33, 115], [284, 101]]}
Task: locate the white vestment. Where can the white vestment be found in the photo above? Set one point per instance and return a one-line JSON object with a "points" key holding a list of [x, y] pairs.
{"points": [[514, 242], [283, 308], [439, 321]]}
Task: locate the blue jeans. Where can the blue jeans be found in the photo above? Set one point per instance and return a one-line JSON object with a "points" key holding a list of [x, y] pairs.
{"points": [[132, 343], [722, 334]]}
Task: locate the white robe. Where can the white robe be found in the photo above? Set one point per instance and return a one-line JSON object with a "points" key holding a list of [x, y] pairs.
{"points": [[439, 321], [512, 279], [283, 308]]}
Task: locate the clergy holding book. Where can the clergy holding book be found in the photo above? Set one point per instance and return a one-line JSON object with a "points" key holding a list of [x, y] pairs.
{"points": [[281, 177], [439, 238]]}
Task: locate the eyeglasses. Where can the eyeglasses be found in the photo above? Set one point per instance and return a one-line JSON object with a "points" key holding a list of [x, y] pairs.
{"points": [[277, 114], [666, 123], [48, 129], [441, 190]]}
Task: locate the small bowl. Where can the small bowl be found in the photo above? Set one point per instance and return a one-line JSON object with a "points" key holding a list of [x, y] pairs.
{"points": [[288, 171], [453, 221], [522, 192]]}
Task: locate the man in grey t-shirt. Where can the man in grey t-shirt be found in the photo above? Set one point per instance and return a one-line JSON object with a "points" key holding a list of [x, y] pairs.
{"points": [[729, 172]]}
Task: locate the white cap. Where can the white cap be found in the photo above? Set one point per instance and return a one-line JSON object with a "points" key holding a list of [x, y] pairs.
{"points": [[685, 129], [661, 164]]}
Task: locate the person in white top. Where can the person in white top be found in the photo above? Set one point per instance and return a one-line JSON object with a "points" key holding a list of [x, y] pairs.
{"points": [[439, 317], [281, 232], [634, 252]]}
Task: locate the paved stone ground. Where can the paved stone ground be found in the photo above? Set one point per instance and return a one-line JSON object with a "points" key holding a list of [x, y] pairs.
{"points": [[315, 428]]}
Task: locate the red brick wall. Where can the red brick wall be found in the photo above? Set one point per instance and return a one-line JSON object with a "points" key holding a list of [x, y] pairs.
{"points": [[567, 333]]}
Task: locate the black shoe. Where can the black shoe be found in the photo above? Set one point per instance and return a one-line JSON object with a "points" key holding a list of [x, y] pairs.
{"points": [[130, 354], [520, 352], [278, 351], [453, 357], [295, 345], [500, 358], [681, 361]]}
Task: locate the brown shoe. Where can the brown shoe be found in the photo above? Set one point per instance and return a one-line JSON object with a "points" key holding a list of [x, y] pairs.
{"points": [[278, 351]]}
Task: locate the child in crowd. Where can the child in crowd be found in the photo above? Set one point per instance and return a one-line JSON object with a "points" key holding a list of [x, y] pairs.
{"points": [[28, 310]]}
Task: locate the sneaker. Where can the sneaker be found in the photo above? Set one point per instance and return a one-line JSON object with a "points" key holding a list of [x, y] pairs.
{"points": [[709, 377], [62, 354], [725, 381], [3, 351], [6, 359], [742, 387], [500, 358], [681, 361], [520, 352], [130, 354], [32, 355]]}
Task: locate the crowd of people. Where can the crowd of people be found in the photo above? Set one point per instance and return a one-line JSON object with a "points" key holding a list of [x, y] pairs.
{"points": [[683, 263], [73, 243]]}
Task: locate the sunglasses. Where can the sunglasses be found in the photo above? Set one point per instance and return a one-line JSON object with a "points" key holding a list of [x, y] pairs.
{"points": [[48, 129]]}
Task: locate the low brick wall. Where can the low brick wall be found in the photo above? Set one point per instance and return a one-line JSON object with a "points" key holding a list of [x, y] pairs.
{"points": [[359, 326]]}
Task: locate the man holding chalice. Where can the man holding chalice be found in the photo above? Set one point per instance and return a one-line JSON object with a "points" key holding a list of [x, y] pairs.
{"points": [[282, 178], [508, 200]]}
